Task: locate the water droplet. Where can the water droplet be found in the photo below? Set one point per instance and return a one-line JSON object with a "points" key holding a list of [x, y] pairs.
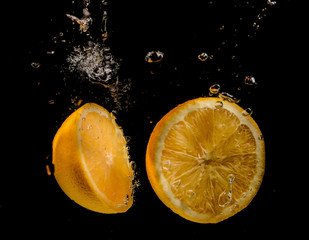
{"points": [[219, 104], [249, 80], [244, 195], [176, 183], [154, 56], [203, 56], [247, 112], [190, 193], [166, 165], [35, 65], [214, 89], [89, 127], [228, 97], [50, 52]]}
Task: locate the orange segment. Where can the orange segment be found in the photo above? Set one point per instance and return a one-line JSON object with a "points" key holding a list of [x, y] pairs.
{"points": [[205, 159], [92, 162]]}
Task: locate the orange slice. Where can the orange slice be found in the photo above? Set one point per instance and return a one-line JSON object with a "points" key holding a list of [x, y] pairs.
{"points": [[91, 160], [205, 159]]}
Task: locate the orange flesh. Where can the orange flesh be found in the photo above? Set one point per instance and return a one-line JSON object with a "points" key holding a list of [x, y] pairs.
{"points": [[208, 162], [108, 165]]}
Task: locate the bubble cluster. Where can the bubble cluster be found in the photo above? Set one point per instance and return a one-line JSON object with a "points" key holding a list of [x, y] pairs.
{"points": [[95, 61]]}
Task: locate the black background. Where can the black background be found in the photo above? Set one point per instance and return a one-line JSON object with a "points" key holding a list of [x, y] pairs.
{"points": [[272, 54]]}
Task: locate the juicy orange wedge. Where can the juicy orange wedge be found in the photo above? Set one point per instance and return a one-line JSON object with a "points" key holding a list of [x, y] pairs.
{"points": [[91, 160], [205, 159]]}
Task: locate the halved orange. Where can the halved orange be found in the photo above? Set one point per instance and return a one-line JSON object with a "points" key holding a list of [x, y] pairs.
{"points": [[205, 159], [91, 160]]}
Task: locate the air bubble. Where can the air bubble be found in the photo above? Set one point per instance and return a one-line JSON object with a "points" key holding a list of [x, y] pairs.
{"points": [[126, 200], [214, 89], [133, 165], [128, 138], [166, 165], [203, 56], [247, 112], [249, 80], [154, 56], [228, 97], [231, 178], [219, 104], [261, 137], [271, 3], [176, 183], [35, 65], [190, 193]]}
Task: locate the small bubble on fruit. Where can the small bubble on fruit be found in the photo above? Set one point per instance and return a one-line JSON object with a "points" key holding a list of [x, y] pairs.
{"points": [[176, 183], [247, 112], [166, 165], [219, 104], [228, 97], [190, 193]]}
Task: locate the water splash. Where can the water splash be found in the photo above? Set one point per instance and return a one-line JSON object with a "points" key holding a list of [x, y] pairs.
{"points": [[93, 61]]}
